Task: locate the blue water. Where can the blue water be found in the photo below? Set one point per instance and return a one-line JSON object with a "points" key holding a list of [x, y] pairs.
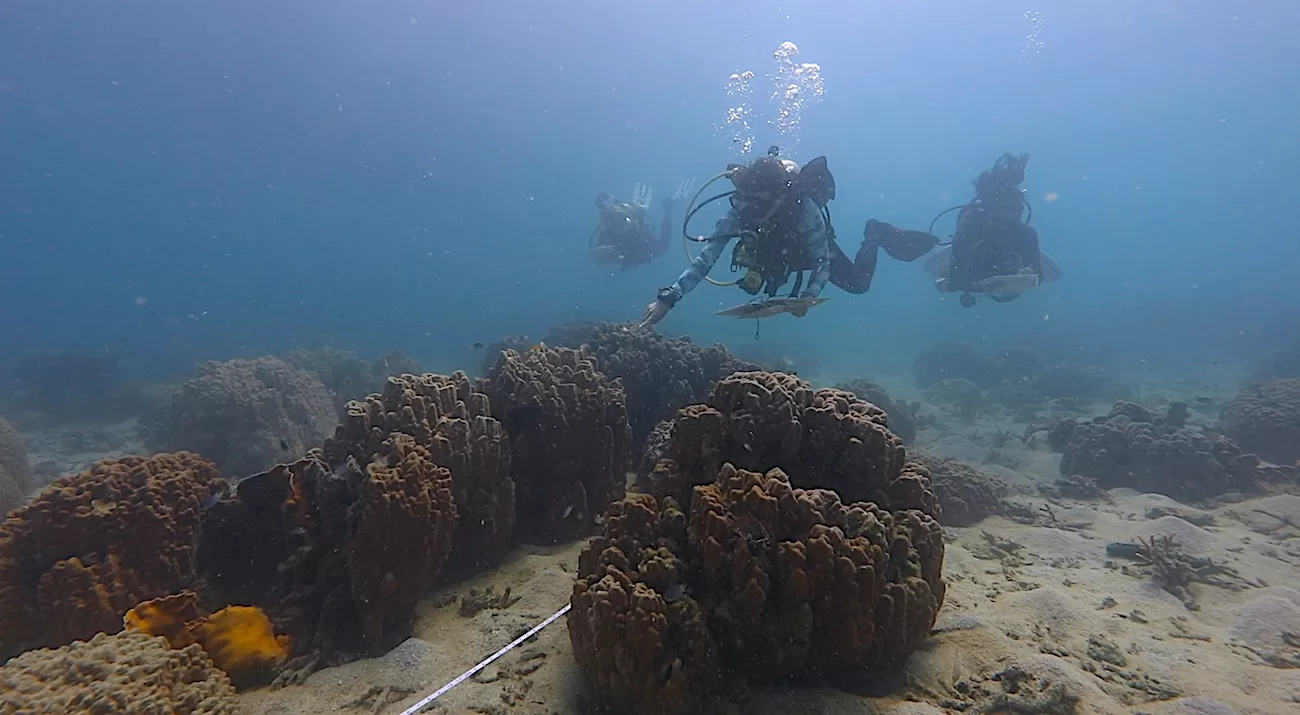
{"points": [[182, 181]]}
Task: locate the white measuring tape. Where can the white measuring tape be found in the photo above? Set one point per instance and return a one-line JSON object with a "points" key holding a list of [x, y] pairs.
{"points": [[485, 662]]}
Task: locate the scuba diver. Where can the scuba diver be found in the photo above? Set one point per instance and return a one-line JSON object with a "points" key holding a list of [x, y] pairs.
{"points": [[993, 252], [625, 236], [779, 214]]}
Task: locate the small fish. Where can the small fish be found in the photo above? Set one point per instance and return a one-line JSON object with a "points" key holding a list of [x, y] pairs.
{"points": [[1203, 400], [221, 492], [567, 511], [479, 346], [675, 593], [284, 445]]}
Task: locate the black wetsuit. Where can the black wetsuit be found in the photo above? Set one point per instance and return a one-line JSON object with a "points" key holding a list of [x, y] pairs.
{"points": [[991, 240], [633, 237], [900, 243]]}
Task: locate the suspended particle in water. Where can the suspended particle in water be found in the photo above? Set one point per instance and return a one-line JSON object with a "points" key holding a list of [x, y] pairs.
{"points": [[1033, 36], [1051, 196]]}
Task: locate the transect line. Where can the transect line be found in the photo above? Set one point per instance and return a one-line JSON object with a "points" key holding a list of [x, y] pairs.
{"points": [[485, 662]]}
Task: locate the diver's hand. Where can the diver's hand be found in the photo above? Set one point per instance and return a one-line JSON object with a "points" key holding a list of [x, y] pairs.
{"points": [[654, 313]]}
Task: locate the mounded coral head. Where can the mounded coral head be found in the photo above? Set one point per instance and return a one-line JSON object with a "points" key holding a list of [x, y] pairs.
{"points": [[659, 373], [825, 439], [454, 421], [900, 417], [11, 495], [13, 457], [93, 545], [1266, 421], [948, 361], [340, 545], [571, 444], [365, 543], [759, 582], [247, 415], [966, 495], [110, 672], [1131, 447]]}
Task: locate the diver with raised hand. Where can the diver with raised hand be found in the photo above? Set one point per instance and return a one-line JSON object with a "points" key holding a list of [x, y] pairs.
{"points": [[625, 235], [779, 214], [994, 250]]}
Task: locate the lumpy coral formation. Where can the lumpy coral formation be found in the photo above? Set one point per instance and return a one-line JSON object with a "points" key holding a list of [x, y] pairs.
{"points": [[569, 434], [340, 545], [247, 415], [15, 471], [13, 456], [240, 640], [1016, 377], [660, 373], [11, 495], [116, 674], [362, 543], [966, 495], [825, 439], [1266, 421], [1131, 447], [346, 376], [953, 361], [93, 545], [654, 449], [900, 417], [452, 419], [733, 572], [758, 583]]}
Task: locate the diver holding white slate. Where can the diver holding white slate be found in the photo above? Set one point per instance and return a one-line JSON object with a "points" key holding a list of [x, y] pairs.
{"points": [[780, 217], [994, 252]]}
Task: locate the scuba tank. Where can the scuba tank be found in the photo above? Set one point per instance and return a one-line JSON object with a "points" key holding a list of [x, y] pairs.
{"points": [[764, 249]]}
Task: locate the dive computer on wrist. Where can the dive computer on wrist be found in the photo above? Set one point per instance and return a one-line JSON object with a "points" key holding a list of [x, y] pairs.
{"points": [[667, 295]]}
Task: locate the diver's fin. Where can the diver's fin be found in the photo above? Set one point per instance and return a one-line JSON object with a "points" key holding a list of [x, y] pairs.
{"points": [[937, 265], [684, 188], [901, 244], [1051, 271], [641, 195], [816, 182]]}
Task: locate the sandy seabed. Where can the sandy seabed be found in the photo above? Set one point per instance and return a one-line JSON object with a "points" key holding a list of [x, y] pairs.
{"points": [[1040, 598]]}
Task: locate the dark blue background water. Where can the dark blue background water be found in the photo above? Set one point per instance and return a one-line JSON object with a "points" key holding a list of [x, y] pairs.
{"points": [[194, 180]]}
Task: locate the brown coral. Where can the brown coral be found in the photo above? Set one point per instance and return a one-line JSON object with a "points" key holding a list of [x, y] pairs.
{"points": [[569, 435], [93, 545], [11, 495], [660, 373], [1132, 447], [966, 495], [116, 675], [825, 439], [900, 417], [1266, 421], [400, 535], [13, 457], [451, 419], [247, 415], [364, 543], [759, 583], [340, 545]]}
